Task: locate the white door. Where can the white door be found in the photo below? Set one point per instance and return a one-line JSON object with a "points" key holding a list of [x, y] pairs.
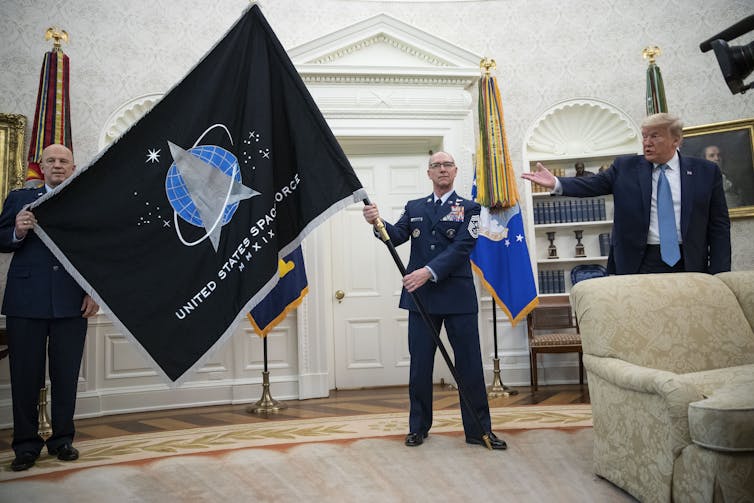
{"points": [[371, 344]]}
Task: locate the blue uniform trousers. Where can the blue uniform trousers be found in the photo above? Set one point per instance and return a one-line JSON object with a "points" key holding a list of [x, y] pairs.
{"points": [[464, 339]]}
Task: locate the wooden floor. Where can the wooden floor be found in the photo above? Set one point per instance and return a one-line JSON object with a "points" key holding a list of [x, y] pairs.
{"points": [[339, 403]]}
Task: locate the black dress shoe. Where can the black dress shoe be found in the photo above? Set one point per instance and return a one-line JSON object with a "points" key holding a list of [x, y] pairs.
{"points": [[495, 443], [414, 439], [23, 461], [65, 452]]}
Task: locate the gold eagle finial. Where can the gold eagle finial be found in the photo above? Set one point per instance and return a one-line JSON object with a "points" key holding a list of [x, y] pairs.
{"points": [[57, 35]]}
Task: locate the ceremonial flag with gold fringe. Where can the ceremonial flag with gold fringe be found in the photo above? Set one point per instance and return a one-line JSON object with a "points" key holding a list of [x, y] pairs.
{"points": [[52, 118], [501, 256], [495, 179], [285, 297]]}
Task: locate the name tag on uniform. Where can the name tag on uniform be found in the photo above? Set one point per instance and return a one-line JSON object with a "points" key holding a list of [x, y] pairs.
{"points": [[455, 215], [417, 219]]}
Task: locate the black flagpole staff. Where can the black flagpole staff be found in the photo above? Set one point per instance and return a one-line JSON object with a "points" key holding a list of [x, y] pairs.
{"points": [[380, 227], [497, 388], [266, 404]]}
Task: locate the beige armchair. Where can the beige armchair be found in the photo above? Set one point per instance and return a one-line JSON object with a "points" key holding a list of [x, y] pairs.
{"points": [[670, 367]]}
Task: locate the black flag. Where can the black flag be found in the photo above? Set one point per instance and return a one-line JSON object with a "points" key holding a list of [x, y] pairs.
{"points": [[177, 228]]}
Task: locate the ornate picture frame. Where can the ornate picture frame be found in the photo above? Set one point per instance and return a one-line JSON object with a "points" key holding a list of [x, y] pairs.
{"points": [[13, 174], [731, 146]]}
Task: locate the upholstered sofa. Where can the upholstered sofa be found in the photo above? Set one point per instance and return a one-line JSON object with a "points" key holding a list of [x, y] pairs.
{"points": [[670, 366]]}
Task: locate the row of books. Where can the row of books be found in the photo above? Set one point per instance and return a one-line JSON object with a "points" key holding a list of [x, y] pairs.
{"points": [[555, 171], [552, 281], [570, 210]]}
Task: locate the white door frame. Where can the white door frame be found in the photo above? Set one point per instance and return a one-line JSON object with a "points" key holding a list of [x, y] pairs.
{"points": [[375, 80], [315, 315]]}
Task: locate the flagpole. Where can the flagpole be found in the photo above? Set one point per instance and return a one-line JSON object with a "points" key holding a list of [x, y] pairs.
{"points": [[497, 199], [656, 101], [266, 404], [497, 388], [380, 227], [52, 116]]}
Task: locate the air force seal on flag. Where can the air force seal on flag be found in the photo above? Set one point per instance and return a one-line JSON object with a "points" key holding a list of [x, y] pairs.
{"points": [[494, 225]]}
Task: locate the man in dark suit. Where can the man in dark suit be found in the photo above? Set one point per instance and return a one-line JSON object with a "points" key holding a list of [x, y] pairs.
{"points": [[697, 239], [45, 310], [443, 228]]}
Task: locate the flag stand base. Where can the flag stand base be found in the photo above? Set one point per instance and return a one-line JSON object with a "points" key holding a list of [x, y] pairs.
{"points": [[497, 388], [266, 404]]}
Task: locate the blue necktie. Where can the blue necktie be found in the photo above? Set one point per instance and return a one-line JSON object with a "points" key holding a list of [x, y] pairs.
{"points": [[438, 204], [666, 220]]}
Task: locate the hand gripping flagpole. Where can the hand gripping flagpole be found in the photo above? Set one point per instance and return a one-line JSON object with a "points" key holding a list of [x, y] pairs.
{"points": [[382, 231]]}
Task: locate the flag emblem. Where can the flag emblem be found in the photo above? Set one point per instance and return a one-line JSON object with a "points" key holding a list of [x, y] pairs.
{"points": [[204, 187]]}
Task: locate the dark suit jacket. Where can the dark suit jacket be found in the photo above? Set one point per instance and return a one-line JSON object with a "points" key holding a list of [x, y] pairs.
{"points": [[705, 225], [442, 241], [38, 285]]}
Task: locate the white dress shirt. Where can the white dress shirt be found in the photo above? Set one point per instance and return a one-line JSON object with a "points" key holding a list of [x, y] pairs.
{"points": [[673, 174]]}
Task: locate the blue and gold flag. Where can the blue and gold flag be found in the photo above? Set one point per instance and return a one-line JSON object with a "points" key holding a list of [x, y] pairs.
{"points": [[285, 297], [178, 227], [501, 256]]}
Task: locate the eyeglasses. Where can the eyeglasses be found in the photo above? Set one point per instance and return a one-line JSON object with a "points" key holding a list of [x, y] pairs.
{"points": [[446, 165]]}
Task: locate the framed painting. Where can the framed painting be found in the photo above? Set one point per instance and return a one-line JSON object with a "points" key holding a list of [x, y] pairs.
{"points": [[731, 146], [13, 174]]}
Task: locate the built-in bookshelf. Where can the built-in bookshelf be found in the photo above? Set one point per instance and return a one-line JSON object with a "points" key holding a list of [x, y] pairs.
{"points": [[565, 222], [586, 131]]}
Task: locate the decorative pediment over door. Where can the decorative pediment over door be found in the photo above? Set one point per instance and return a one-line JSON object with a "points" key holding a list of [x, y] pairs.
{"points": [[385, 66], [388, 91]]}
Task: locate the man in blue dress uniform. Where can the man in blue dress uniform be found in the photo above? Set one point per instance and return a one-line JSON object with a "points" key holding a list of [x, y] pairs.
{"points": [[45, 310], [443, 228]]}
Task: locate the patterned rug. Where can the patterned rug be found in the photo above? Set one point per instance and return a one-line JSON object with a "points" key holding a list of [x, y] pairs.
{"points": [[142, 447], [355, 458]]}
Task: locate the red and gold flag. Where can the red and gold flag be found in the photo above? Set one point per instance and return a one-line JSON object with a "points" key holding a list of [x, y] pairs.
{"points": [[52, 118]]}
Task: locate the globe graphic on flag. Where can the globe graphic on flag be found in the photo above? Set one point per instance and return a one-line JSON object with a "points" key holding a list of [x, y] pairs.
{"points": [[178, 194]]}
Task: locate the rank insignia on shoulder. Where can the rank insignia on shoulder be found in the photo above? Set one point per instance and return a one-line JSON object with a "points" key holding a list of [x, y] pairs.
{"points": [[415, 233], [450, 233]]}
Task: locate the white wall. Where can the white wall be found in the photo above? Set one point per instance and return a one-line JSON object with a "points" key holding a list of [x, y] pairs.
{"points": [[546, 50]]}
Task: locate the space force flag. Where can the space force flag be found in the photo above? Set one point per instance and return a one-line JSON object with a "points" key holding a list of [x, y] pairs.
{"points": [[177, 228]]}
